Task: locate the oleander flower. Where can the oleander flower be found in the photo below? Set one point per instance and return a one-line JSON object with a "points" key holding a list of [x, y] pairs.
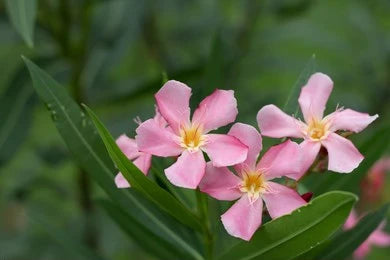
{"points": [[317, 130], [377, 238], [140, 159], [372, 186], [253, 184], [187, 138]]}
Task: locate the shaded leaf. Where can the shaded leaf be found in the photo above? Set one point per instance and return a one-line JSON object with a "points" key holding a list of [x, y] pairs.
{"points": [[22, 14], [16, 107], [70, 244], [142, 236], [294, 234], [347, 242]]}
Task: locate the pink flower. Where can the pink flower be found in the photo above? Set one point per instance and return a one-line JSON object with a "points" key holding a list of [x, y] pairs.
{"points": [[189, 138], [140, 159], [252, 183], [377, 238], [318, 130], [373, 183]]}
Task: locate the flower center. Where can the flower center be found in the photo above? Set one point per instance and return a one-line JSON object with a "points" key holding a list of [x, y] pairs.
{"points": [[317, 129], [191, 137], [253, 184]]}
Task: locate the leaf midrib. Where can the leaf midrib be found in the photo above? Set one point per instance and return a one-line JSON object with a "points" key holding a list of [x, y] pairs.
{"points": [[193, 252]]}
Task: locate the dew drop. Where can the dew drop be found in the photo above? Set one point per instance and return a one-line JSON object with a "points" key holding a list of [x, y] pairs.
{"points": [[49, 106], [54, 115]]}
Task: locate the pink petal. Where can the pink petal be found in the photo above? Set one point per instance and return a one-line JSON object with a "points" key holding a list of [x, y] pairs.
{"points": [[273, 122], [350, 120], [380, 238], [243, 218], [154, 139], [249, 136], [220, 183], [280, 160], [314, 96], [381, 166], [160, 119], [188, 170], [121, 182], [343, 155], [216, 110], [351, 221], [143, 162], [362, 251], [281, 200], [309, 152], [173, 101], [225, 150], [128, 146]]}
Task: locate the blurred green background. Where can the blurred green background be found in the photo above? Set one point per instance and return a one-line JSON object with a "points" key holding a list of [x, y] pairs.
{"points": [[112, 55]]}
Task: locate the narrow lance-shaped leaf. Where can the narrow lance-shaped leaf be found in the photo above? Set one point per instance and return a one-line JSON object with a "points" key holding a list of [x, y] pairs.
{"points": [[347, 242], [292, 235], [22, 14], [15, 112], [61, 237], [140, 182], [85, 144]]}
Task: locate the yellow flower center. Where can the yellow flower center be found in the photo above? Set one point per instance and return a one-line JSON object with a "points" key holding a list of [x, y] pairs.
{"points": [[317, 129], [192, 137], [253, 184]]}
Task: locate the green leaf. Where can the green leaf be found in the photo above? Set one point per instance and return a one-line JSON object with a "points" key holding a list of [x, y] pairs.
{"points": [[373, 147], [292, 235], [83, 141], [22, 14], [140, 182], [291, 105], [347, 242], [16, 107], [185, 196], [142, 236], [314, 252], [164, 78]]}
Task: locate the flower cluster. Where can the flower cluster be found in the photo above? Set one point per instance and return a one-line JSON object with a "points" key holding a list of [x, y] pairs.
{"points": [[173, 133]]}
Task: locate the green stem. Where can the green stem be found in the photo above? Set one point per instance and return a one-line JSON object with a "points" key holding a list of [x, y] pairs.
{"points": [[208, 238]]}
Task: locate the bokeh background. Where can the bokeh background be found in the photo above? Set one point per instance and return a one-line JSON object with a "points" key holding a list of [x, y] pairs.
{"points": [[113, 55]]}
